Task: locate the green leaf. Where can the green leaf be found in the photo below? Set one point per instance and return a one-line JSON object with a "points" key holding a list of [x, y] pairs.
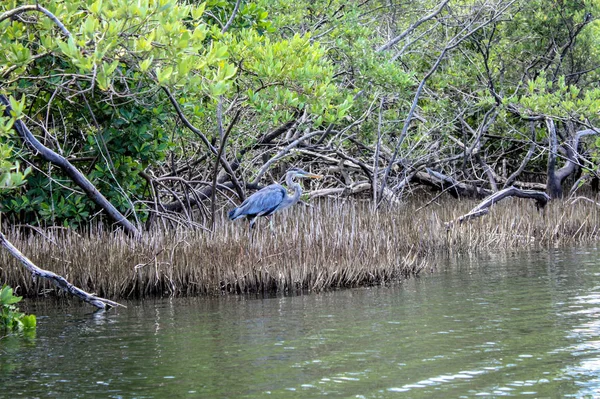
{"points": [[198, 11], [17, 106], [29, 322], [145, 64], [7, 297], [229, 71], [102, 80], [164, 75], [218, 88], [221, 53], [95, 7]]}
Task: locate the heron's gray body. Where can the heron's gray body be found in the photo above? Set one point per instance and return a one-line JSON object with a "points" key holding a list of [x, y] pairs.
{"points": [[262, 203], [270, 199]]}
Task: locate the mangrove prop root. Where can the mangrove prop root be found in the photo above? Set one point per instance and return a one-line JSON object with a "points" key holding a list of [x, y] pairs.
{"points": [[540, 198], [59, 281]]}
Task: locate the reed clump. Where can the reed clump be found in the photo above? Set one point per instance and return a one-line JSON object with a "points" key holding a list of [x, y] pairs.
{"points": [[328, 245]]}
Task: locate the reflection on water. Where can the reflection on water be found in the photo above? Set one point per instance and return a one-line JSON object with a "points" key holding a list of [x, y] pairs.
{"points": [[508, 325], [587, 337]]}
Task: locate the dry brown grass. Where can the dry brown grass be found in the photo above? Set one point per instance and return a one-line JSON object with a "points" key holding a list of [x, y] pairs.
{"points": [[329, 245]]}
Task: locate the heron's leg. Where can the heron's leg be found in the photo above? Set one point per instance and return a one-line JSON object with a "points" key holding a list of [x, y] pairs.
{"points": [[250, 227], [252, 222]]}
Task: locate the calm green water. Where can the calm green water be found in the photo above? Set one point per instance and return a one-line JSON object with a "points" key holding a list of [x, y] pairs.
{"points": [[510, 325]]}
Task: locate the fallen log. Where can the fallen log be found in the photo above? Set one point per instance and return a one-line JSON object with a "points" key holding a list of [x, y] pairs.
{"points": [[483, 208], [59, 281]]}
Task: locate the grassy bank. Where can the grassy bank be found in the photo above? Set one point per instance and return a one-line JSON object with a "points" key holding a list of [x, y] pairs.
{"points": [[328, 245]]}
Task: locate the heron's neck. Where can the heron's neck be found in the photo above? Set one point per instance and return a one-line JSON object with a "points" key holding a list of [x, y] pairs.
{"points": [[289, 201], [297, 192], [289, 180]]}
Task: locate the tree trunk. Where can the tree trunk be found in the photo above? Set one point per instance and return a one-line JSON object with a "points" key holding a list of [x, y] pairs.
{"points": [[556, 177]]}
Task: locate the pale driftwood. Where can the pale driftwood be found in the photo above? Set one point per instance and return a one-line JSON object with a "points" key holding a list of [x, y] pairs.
{"points": [[584, 199], [540, 198], [281, 153], [59, 281]]}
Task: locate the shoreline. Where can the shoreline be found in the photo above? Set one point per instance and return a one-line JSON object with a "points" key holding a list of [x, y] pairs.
{"points": [[329, 245]]}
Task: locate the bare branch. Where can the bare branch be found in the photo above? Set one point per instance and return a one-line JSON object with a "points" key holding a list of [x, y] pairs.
{"points": [[281, 153], [528, 156], [413, 27], [232, 17], [464, 34], [212, 149], [219, 155], [39, 8], [556, 177]]}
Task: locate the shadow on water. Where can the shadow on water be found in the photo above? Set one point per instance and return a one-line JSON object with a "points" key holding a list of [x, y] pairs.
{"points": [[511, 324]]}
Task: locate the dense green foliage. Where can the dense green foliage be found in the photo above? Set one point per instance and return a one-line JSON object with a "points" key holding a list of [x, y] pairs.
{"points": [[100, 98], [11, 319], [273, 71]]}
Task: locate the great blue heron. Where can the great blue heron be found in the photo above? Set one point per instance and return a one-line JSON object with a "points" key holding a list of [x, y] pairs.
{"points": [[271, 199]]}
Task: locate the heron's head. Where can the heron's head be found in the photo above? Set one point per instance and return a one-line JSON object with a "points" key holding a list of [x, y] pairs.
{"points": [[297, 172]]}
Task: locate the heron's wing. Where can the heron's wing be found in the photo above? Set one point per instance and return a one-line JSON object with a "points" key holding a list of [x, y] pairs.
{"points": [[263, 202]]}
